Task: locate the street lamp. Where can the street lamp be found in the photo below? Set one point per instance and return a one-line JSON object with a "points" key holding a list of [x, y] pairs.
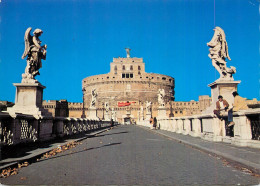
{"points": [[103, 104], [83, 109]]}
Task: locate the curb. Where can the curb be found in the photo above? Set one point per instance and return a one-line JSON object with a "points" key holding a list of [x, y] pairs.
{"points": [[247, 164]]}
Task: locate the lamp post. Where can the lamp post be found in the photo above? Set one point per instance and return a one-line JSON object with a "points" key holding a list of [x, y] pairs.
{"points": [[83, 109], [103, 111]]}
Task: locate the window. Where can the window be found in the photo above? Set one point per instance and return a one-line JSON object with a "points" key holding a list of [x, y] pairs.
{"points": [[123, 75], [123, 67], [131, 75], [115, 69], [139, 73], [127, 75], [131, 67], [139, 68], [163, 78], [176, 112], [181, 112]]}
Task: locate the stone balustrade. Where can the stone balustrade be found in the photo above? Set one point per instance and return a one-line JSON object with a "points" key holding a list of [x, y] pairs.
{"points": [[246, 131], [21, 128]]}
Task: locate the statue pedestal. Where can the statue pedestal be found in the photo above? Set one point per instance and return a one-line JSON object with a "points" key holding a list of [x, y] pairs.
{"points": [[162, 113], [106, 116], [224, 88], [92, 114], [28, 100], [148, 116]]}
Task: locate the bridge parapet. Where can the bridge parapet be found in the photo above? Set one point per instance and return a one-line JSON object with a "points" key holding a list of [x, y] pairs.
{"points": [[22, 128], [245, 132]]}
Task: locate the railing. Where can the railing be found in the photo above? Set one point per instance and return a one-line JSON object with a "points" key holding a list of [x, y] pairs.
{"points": [[245, 132], [255, 126], [25, 128]]}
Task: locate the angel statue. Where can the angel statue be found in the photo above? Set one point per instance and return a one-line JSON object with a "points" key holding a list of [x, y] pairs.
{"points": [[161, 94], [106, 107], [218, 53], [148, 106], [93, 98], [34, 52]]}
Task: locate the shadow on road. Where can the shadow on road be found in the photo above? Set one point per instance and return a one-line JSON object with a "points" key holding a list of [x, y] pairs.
{"points": [[86, 149], [107, 134]]}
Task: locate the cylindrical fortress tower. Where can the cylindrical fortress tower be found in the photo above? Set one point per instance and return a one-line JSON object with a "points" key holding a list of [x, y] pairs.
{"points": [[127, 82]]}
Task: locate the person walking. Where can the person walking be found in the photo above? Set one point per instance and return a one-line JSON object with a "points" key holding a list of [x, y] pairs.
{"points": [[151, 122], [154, 123], [112, 123]]}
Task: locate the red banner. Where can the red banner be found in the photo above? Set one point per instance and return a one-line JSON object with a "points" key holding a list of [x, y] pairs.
{"points": [[123, 104]]}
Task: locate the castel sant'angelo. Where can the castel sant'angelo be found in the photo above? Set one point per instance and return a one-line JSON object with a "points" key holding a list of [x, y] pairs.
{"points": [[126, 87]]}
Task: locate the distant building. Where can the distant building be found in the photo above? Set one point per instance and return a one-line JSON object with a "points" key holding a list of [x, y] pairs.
{"points": [[188, 108], [57, 108]]}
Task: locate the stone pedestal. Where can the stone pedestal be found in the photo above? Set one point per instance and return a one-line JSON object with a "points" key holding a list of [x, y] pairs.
{"points": [[224, 88], [162, 113], [92, 114], [148, 116], [106, 116], [28, 100]]}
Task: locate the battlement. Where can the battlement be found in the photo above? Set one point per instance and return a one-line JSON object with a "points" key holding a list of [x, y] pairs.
{"points": [[128, 60]]}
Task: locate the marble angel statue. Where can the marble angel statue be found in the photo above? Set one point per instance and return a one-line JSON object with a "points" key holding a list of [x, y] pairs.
{"points": [[34, 53], [218, 53]]}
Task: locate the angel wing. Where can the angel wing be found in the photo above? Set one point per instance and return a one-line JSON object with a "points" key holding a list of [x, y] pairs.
{"points": [[27, 42]]}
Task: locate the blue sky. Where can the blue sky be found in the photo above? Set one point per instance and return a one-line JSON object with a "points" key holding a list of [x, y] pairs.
{"points": [[83, 36]]}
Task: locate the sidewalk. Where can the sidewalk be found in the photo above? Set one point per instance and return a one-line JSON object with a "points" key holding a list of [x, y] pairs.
{"points": [[248, 157], [34, 152]]}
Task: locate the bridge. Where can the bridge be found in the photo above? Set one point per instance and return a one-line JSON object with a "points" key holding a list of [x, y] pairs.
{"points": [[132, 154]]}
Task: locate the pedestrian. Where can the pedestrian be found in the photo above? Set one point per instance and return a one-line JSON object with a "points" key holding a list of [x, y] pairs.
{"points": [[239, 104], [151, 122], [154, 122], [112, 123], [221, 105]]}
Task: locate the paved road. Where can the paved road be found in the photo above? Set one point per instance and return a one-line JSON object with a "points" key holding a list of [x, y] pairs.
{"points": [[130, 155]]}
